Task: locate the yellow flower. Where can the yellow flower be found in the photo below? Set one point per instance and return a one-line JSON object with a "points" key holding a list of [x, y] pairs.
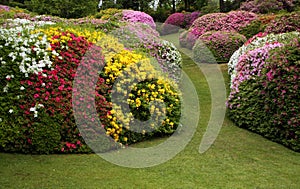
{"points": [[138, 102]]}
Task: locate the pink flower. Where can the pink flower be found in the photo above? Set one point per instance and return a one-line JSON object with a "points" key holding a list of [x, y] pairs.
{"points": [[36, 95], [270, 75]]}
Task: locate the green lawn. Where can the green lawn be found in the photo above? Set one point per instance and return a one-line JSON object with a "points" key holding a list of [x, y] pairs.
{"points": [[237, 159]]}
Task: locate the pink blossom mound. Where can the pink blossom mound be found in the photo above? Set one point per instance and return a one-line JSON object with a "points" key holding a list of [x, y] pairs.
{"points": [[221, 44], [232, 21], [138, 16], [5, 8], [179, 20]]}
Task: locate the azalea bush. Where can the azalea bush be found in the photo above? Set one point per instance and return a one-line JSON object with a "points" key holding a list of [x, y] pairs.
{"points": [[257, 26], [138, 16], [179, 20], [128, 128], [267, 6], [284, 23], [255, 42], [38, 66], [234, 20], [173, 23], [222, 44], [264, 95]]}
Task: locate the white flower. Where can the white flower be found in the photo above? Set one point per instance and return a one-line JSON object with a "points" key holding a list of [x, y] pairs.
{"points": [[11, 111], [33, 109], [40, 106], [22, 88], [5, 89]]}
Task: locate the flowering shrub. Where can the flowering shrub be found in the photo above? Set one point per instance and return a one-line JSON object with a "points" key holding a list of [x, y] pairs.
{"points": [[173, 23], [257, 41], [179, 20], [139, 99], [109, 14], [38, 66], [266, 6], [222, 45], [265, 93], [257, 26], [5, 8], [137, 16], [284, 23], [234, 20]]}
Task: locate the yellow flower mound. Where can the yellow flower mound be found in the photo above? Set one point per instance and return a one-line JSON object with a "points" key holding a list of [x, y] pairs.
{"points": [[89, 35], [140, 67], [118, 62]]}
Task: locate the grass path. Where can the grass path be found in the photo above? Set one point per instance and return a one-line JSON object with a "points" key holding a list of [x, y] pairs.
{"points": [[237, 159]]}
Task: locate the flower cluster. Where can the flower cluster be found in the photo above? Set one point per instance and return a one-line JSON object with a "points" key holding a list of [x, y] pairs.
{"points": [[266, 6], [137, 16], [5, 8], [126, 127], [257, 41], [232, 21], [222, 44], [283, 24], [141, 37], [264, 95]]}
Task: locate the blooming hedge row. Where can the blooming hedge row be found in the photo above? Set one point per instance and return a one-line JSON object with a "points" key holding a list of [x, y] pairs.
{"points": [[38, 65], [264, 95], [234, 20]]}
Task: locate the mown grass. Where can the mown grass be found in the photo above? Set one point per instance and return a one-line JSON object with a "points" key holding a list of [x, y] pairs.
{"points": [[237, 159]]}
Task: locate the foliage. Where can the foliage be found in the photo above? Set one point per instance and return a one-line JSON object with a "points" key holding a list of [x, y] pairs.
{"points": [[109, 14], [70, 8], [267, 6], [160, 15], [222, 44], [264, 96], [284, 23]]}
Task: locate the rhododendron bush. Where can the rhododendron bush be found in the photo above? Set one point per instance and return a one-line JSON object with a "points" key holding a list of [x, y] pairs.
{"points": [[232, 21], [179, 20], [264, 95], [222, 44], [39, 63], [267, 6], [137, 16], [284, 23]]}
